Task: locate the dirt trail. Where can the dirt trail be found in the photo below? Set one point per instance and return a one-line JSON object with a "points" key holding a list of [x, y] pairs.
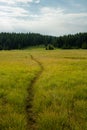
{"points": [[31, 116]]}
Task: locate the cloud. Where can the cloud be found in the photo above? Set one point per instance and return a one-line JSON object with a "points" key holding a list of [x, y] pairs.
{"points": [[37, 1], [55, 22], [19, 1], [47, 11], [27, 1], [50, 20], [7, 1], [8, 11], [24, 1]]}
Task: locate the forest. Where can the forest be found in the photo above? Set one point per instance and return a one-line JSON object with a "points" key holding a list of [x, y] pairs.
{"points": [[10, 41]]}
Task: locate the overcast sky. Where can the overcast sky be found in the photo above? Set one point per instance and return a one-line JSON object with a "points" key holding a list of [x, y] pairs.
{"points": [[50, 17]]}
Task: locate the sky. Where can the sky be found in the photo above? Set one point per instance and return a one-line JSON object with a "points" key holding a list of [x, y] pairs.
{"points": [[48, 17]]}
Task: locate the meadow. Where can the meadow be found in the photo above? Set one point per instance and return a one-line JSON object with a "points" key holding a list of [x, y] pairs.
{"points": [[16, 71], [59, 90]]}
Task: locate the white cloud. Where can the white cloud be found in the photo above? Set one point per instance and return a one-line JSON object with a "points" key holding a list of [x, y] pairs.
{"points": [[7, 1], [24, 1], [51, 21], [37, 1], [54, 21], [8, 11], [19, 1]]}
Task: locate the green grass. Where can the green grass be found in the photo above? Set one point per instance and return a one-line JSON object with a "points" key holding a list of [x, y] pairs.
{"points": [[60, 93], [16, 71]]}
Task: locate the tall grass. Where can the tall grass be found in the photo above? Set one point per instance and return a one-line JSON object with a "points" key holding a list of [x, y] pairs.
{"points": [[61, 92], [16, 71]]}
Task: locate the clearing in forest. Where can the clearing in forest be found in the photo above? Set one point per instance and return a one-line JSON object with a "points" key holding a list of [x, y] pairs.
{"points": [[51, 85]]}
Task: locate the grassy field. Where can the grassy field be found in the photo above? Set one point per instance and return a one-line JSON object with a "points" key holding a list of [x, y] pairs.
{"points": [[60, 90], [16, 71]]}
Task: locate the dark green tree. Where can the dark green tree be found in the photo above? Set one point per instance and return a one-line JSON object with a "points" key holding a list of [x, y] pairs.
{"points": [[84, 45]]}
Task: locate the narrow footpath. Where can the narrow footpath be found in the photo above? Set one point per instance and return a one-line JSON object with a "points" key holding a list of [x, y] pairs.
{"points": [[31, 116]]}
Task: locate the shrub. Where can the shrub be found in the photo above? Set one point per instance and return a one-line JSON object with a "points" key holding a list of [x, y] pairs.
{"points": [[84, 45], [49, 47]]}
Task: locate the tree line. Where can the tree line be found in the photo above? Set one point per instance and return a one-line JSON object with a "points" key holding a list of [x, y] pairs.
{"points": [[9, 41]]}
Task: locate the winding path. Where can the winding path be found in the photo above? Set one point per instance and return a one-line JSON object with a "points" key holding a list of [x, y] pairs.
{"points": [[31, 116]]}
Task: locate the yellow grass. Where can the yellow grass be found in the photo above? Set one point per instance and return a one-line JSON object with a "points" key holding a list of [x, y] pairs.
{"points": [[16, 71], [60, 92]]}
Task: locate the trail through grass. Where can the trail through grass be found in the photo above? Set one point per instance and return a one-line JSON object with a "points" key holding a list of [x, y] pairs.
{"points": [[17, 69], [53, 100], [31, 115], [60, 99]]}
